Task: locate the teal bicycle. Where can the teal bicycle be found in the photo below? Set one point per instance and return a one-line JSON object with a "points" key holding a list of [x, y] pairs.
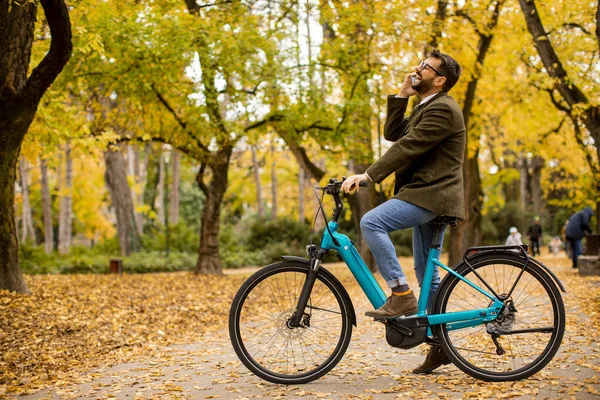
{"points": [[498, 315]]}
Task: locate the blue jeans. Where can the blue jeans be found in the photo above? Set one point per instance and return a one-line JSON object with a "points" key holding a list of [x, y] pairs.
{"points": [[391, 216], [575, 250]]}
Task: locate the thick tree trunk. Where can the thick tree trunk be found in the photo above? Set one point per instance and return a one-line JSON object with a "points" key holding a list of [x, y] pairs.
{"points": [[468, 233], [273, 184], [120, 194], [65, 219], [360, 203], [208, 253], [19, 99], [174, 213], [256, 170], [10, 272], [27, 230], [46, 208]]}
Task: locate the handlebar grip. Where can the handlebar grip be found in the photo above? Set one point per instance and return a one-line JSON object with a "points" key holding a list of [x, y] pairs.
{"points": [[364, 184]]}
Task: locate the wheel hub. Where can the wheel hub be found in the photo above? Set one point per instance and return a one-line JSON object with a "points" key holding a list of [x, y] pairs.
{"points": [[286, 330], [505, 320]]}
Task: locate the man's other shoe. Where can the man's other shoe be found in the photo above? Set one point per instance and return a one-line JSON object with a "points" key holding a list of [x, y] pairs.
{"points": [[396, 306], [435, 359]]}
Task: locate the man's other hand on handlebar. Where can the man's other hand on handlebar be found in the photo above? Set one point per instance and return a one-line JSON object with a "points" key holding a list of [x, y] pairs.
{"points": [[352, 182]]}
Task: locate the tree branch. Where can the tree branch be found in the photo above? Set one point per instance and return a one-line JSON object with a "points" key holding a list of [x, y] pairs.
{"points": [[598, 24], [270, 118], [181, 123], [61, 47], [555, 130], [462, 13], [200, 179], [557, 103], [570, 25]]}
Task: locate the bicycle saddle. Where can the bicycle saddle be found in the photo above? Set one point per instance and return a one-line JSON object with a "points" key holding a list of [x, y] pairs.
{"points": [[445, 220]]}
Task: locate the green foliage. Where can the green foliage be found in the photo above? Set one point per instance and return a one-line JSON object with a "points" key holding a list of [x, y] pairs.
{"points": [[183, 237], [281, 230], [35, 261]]}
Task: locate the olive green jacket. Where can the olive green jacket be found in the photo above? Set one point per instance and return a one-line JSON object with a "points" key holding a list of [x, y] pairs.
{"points": [[427, 155]]}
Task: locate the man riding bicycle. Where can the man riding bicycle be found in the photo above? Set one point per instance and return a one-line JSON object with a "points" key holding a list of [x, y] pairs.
{"points": [[427, 157]]}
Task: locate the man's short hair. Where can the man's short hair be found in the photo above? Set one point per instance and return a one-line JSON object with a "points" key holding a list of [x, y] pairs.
{"points": [[449, 67]]}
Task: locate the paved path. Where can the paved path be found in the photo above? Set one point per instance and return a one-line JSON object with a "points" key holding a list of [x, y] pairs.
{"points": [[370, 368]]}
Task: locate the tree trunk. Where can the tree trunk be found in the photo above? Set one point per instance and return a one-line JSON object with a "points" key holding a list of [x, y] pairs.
{"points": [[570, 92], [152, 179], [46, 209], [563, 84], [26, 216], [301, 183], [468, 233], [438, 26], [19, 99], [537, 196], [133, 163], [10, 271], [273, 184], [208, 253], [524, 186], [66, 205], [174, 213], [510, 189], [160, 200], [256, 168], [120, 194], [360, 203]]}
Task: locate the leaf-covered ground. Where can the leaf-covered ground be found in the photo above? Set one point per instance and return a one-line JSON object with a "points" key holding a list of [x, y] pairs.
{"points": [[165, 336]]}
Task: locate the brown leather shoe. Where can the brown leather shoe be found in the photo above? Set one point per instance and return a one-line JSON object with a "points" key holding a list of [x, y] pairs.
{"points": [[435, 359], [396, 306]]}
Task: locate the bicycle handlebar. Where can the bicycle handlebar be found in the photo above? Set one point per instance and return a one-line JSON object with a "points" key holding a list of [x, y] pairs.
{"points": [[333, 187]]}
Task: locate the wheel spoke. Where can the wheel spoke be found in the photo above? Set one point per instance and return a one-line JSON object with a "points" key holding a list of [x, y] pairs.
{"points": [[527, 335], [273, 348]]}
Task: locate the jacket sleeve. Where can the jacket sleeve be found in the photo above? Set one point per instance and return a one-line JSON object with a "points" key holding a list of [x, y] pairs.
{"points": [[436, 125], [395, 121]]}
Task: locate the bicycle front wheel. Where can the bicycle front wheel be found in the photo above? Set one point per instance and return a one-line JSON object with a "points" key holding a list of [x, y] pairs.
{"points": [[533, 320], [264, 341]]}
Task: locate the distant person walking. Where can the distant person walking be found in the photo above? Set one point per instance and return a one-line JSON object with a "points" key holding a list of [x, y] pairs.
{"points": [[535, 236], [555, 245], [514, 237], [578, 225]]}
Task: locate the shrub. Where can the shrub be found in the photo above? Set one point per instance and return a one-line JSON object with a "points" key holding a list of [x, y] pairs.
{"points": [[281, 230]]}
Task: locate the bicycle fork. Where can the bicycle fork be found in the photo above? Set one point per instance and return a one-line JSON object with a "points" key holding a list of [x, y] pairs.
{"points": [[316, 256]]}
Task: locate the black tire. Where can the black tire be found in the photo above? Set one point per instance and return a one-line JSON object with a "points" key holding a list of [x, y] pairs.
{"points": [[258, 317], [538, 304]]}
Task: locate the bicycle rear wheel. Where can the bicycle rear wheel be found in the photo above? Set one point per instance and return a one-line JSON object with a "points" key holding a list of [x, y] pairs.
{"points": [[262, 339], [535, 322]]}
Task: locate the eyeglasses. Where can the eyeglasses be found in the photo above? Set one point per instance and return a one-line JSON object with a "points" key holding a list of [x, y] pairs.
{"points": [[424, 65]]}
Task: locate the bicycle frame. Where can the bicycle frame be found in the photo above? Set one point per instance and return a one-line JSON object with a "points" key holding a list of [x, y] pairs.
{"points": [[377, 297]]}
